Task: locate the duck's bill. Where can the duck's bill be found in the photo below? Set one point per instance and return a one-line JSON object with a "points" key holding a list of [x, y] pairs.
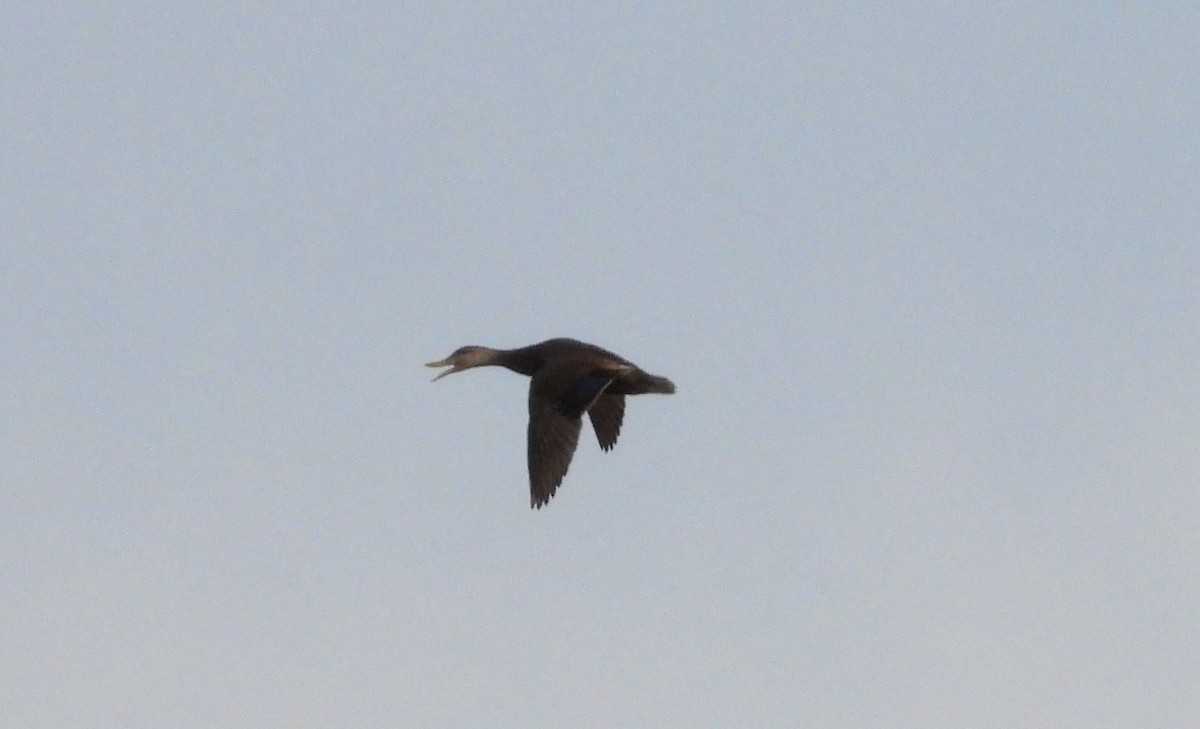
{"points": [[443, 363]]}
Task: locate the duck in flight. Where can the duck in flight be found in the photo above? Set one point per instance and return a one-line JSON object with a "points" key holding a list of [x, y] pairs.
{"points": [[568, 378]]}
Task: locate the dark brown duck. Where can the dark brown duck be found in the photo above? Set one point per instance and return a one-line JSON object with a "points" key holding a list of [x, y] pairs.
{"points": [[568, 378]]}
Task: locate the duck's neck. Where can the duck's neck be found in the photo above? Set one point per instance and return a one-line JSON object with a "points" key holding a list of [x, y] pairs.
{"points": [[524, 360]]}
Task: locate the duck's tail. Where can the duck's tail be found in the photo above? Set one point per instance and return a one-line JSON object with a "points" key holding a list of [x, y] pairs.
{"points": [[661, 385]]}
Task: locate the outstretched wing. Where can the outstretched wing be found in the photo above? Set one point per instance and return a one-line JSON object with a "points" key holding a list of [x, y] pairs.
{"points": [[559, 394], [606, 415], [552, 440]]}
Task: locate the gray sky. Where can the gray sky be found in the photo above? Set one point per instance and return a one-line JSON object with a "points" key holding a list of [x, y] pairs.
{"points": [[928, 281]]}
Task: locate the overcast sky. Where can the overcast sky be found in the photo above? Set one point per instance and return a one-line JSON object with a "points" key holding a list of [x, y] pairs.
{"points": [[927, 279]]}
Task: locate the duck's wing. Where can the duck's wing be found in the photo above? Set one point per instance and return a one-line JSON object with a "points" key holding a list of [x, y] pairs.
{"points": [[552, 440], [606, 415], [558, 396]]}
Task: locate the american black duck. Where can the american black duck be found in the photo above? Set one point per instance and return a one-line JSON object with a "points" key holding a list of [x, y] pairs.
{"points": [[568, 378]]}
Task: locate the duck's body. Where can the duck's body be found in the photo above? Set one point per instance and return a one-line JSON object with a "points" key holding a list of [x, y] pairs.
{"points": [[568, 378]]}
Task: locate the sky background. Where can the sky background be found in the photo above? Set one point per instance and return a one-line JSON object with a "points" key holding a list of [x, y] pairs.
{"points": [[927, 279]]}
